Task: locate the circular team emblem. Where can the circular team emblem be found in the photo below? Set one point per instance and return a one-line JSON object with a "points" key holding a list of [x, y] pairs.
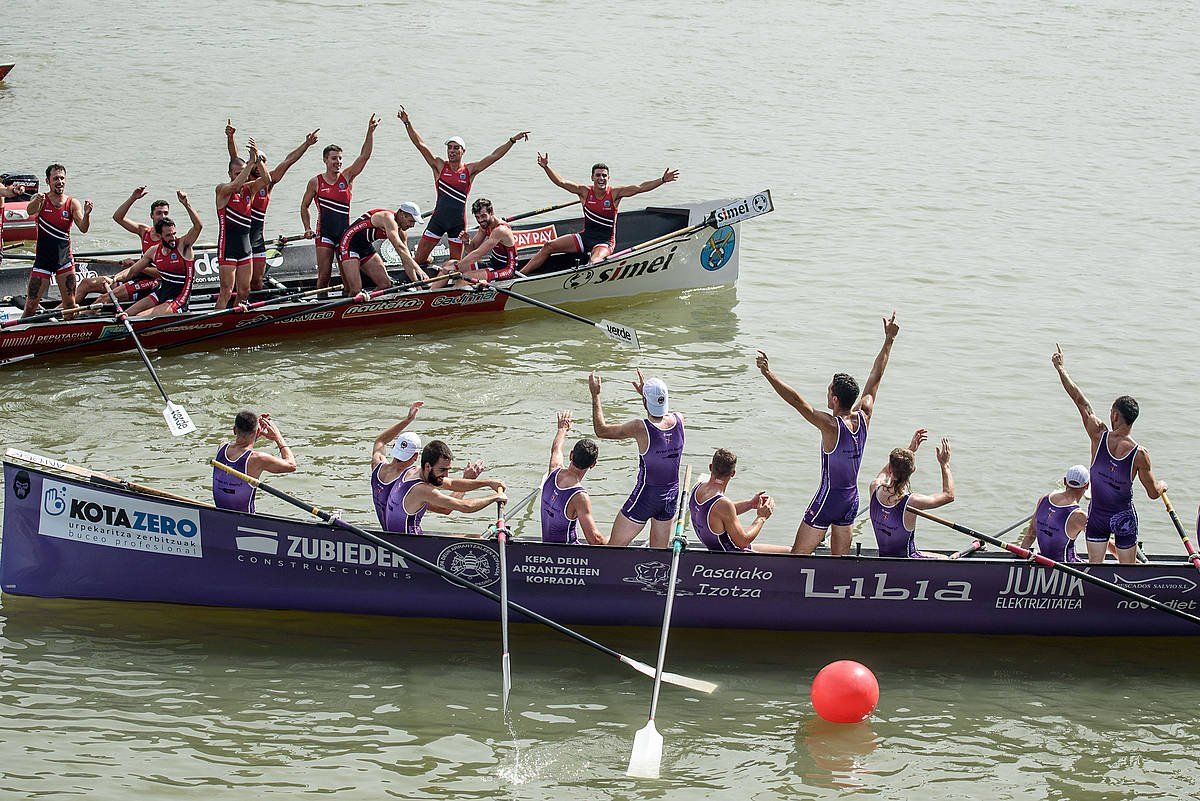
{"points": [[760, 204], [274, 257], [473, 561], [387, 251], [578, 279], [719, 249]]}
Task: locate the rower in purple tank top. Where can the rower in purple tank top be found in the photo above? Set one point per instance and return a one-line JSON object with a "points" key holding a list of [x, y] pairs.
{"points": [[660, 440], [843, 436], [230, 492], [416, 494], [1057, 519], [1116, 461], [715, 516], [385, 470], [892, 502], [566, 509]]}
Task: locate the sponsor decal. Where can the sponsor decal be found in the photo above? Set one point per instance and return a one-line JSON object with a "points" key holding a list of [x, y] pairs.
{"points": [[1031, 587], [198, 326], [465, 298], [876, 589], [555, 570], [535, 237], [21, 485], [731, 574], [265, 548], [621, 270], [258, 318], [719, 249], [578, 279], [30, 339], [744, 209], [384, 307], [274, 257], [98, 518], [653, 576], [308, 318], [205, 268], [472, 561], [110, 331], [1156, 584]]}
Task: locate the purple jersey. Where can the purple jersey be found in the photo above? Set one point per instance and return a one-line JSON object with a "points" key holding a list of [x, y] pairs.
{"points": [[395, 518], [836, 501], [557, 526], [699, 512], [894, 537], [1111, 512], [1050, 524], [230, 492], [380, 490], [657, 487]]}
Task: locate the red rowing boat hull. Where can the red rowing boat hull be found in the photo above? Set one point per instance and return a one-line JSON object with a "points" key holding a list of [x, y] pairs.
{"points": [[5, 69], [17, 226]]}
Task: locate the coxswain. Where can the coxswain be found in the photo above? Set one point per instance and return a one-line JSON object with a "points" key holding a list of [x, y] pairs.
{"points": [[332, 190], [892, 499], [1057, 519], [262, 199], [419, 492], [55, 212], [233, 220], [599, 235], [231, 492], [714, 515], [452, 180], [1116, 461], [843, 437], [357, 254], [385, 469], [494, 240], [566, 507], [173, 260], [660, 440]]}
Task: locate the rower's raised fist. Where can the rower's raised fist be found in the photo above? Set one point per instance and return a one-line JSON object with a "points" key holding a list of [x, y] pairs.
{"points": [[669, 175], [543, 160], [229, 129], [890, 326], [564, 421], [762, 363], [87, 207], [1057, 357], [311, 139], [183, 198], [594, 383], [139, 193]]}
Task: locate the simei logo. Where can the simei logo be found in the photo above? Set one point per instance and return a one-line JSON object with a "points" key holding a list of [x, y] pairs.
{"points": [[621, 271], [97, 518]]}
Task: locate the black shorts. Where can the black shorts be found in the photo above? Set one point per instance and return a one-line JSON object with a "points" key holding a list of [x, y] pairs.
{"points": [[358, 246], [53, 259], [258, 245], [587, 241], [449, 223], [234, 247], [331, 229], [173, 292]]}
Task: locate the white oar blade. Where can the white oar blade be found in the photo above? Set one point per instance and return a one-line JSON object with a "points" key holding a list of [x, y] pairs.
{"points": [[698, 685], [620, 333], [745, 209], [178, 420], [506, 669], [646, 759]]}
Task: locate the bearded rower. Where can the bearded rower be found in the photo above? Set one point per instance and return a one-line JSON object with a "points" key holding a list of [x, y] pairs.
{"points": [[357, 253], [231, 492], [418, 492], [233, 219], [332, 190], [566, 508], [494, 240], [1057, 519], [715, 516], [600, 201], [262, 199], [453, 180], [892, 500], [55, 213], [173, 260], [1116, 461], [843, 436]]}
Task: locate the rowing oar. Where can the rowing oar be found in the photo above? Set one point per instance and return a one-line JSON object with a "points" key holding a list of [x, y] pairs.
{"points": [[709, 220], [361, 297], [96, 477], [978, 545], [1046, 561], [335, 520], [646, 757], [615, 331], [505, 667], [523, 503], [1187, 543], [543, 210], [176, 416], [99, 305]]}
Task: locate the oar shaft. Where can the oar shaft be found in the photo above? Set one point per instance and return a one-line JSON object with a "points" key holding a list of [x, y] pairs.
{"points": [[541, 305], [124, 318], [543, 210], [676, 549], [1187, 543]]}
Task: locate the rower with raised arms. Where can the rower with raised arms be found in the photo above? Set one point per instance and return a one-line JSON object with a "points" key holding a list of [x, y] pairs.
{"points": [[418, 492], [230, 492], [566, 507], [126, 290], [357, 253], [332, 190], [1116, 461], [453, 179], [843, 436], [55, 212], [600, 201], [233, 221], [494, 240], [714, 515], [660, 440], [1057, 519], [173, 261], [387, 469], [262, 198], [892, 499]]}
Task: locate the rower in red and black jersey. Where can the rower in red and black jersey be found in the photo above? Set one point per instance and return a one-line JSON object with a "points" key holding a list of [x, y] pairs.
{"points": [[55, 213], [453, 179], [357, 254], [599, 236], [262, 199], [233, 222], [173, 260], [494, 241], [332, 191]]}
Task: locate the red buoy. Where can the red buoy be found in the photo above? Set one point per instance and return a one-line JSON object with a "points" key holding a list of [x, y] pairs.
{"points": [[845, 692]]}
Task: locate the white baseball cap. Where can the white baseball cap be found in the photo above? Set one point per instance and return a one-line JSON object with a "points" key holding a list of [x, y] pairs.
{"points": [[654, 392], [458, 140], [406, 447], [1078, 476], [410, 208]]}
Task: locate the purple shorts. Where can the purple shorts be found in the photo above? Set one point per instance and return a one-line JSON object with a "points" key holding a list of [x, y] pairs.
{"points": [[649, 502], [1121, 525], [832, 509]]}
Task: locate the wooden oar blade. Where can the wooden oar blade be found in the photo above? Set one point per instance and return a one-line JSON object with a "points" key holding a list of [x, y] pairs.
{"points": [[699, 685], [620, 333], [178, 420], [646, 758]]}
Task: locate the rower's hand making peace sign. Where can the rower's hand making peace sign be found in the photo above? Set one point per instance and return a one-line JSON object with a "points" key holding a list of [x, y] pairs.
{"points": [[639, 384]]}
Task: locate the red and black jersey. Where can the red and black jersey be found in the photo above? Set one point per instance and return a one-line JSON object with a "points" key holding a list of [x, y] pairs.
{"points": [[599, 219], [53, 246], [333, 209], [503, 257], [148, 240]]}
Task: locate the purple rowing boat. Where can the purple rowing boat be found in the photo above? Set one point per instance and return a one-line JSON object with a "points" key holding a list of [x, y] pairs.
{"points": [[66, 537]]}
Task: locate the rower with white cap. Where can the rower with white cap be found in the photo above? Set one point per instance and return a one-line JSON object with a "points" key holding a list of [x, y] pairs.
{"points": [[357, 255], [404, 449], [452, 179], [660, 439], [1057, 520]]}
